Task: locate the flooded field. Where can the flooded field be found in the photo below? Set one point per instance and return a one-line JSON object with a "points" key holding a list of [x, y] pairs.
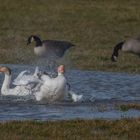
{"points": [[102, 92]]}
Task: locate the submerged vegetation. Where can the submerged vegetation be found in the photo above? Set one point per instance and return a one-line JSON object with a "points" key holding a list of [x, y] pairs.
{"points": [[126, 107], [95, 27]]}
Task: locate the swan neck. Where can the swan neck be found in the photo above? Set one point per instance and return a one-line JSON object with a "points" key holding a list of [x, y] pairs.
{"points": [[6, 82], [60, 74]]}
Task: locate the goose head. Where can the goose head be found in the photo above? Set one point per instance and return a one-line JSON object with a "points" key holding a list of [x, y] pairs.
{"points": [[61, 70], [33, 38], [5, 70], [30, 39], [116, 49], [114, 58]]}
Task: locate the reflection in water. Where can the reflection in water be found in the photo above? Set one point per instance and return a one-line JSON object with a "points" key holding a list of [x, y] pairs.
{"points": [[101, 91]]}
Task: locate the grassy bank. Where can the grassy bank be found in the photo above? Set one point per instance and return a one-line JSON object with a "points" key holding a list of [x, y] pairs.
{"points": [[125, 129], [94, 26]]}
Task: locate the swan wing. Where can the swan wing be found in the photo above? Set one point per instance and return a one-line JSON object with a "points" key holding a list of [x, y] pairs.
{"points": [[26, 80], [19, 78], [21, 74]]}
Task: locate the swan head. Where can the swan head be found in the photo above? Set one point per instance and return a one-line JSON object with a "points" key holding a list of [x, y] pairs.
{"points": [[61, 69], [5, 70]]}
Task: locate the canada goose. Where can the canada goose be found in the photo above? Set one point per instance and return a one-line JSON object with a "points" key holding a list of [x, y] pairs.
{"points": [[132, 45], [49, 48]]}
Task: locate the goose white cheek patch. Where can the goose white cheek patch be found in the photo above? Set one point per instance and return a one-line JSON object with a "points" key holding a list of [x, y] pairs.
{"points": [[115, 58], [32, 39]]}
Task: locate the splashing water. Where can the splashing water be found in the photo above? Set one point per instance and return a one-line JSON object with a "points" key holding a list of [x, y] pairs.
{"points": [[101, 92]]}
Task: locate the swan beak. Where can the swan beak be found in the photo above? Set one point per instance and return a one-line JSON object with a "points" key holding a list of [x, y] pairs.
{"points": [[61, 69], [5, 70], [2, 69]]}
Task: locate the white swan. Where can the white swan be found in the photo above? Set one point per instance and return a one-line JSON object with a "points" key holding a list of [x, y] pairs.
{"points": [[44, 88], [55, 89], [6, 90]]}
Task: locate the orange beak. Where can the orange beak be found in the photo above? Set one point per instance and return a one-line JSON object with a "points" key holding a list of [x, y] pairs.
{"points": [[2, 69], [61, 69]]}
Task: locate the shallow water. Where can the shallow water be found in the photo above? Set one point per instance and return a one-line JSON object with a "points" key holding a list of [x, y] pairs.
{"points": [[102, 91]]}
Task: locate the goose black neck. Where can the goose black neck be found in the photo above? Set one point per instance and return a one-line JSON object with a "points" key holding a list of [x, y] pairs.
{"points": [[117, 48], [38, 41]]}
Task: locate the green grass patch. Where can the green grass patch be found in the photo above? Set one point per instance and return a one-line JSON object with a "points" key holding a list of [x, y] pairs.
{"points": [[94, 26], [126, 107], [125, 129]]}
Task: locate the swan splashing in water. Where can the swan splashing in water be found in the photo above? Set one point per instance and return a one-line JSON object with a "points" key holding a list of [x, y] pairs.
{"points": [[56, 89], [44, 88], [19, 90]]}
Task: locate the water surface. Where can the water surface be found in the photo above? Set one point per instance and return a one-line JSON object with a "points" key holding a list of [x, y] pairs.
{"points": [[102, 91]]}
